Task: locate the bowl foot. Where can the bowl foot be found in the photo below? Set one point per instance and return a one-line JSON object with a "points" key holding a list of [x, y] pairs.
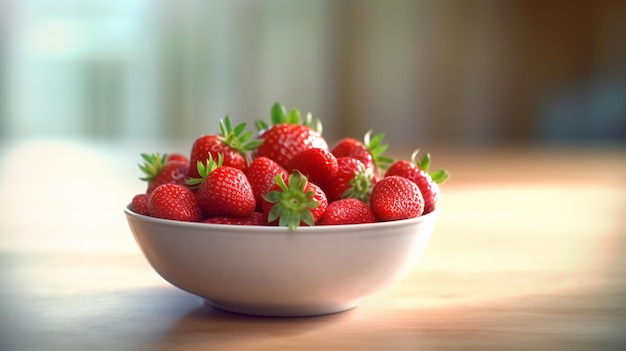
{"points": [[282, 311]]}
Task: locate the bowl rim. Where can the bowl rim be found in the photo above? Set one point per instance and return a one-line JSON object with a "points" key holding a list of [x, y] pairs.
{"points": [[212, 227]]}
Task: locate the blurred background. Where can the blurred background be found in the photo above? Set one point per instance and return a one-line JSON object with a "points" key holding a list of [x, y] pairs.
{"points": [[457, 73], [88, 85]]}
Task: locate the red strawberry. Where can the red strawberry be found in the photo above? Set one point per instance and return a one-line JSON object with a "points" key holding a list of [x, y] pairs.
{"points": [[352, 180], [223, 190], [140, 204], [297, 202], [417, 171], [348, 211], [232, 143], [318, 165], [261, 174], [370, 151], [288, 136], [158, 171], [396, 198], [174, 201], [255, 218], [177, 157]]}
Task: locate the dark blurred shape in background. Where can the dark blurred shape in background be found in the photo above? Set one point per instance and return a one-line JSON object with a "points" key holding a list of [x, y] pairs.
{"points": [[458, 73]]}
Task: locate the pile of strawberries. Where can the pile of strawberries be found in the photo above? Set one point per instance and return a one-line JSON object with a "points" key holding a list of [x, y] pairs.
{"points": [[286, 175]]}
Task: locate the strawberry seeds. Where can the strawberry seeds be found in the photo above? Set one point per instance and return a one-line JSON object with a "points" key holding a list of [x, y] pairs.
{"points": [[286, 175]]}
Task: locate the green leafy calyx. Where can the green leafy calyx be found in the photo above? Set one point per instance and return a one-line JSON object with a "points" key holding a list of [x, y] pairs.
{"points": [[360, 185], [280, 115], [374, 144], [423, 163], [205, 169], [238, 137], [292, 203], [152, 166]]}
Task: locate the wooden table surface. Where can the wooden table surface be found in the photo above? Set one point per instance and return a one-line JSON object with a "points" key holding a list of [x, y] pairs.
{"points": [[528, 254]]}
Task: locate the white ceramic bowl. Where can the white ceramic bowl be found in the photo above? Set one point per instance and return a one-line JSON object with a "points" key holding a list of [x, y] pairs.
{"points": [[273, 271]]}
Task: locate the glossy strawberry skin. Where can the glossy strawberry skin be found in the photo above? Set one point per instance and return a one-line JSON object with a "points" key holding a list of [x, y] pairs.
{"points": [[139, 204], [347, 167], [319, 196], [348, 211], [255, 218], [423, 180], [350, 147], [174, 172], [211, 144], [175, 202], [261, 174], [177, 157], [395, 198], [281, 142], [318, 165], [226, 192]]}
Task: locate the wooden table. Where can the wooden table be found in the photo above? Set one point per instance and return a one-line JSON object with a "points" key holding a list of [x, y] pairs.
{"points": [[528, 254]]}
